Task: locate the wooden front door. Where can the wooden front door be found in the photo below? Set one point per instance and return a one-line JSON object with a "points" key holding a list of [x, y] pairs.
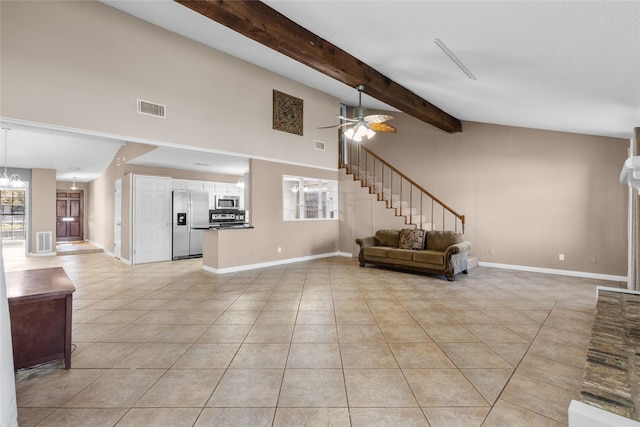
{"points": [[69, 213]]}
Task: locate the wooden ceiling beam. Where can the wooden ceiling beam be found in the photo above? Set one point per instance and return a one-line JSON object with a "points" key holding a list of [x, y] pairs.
{"points": [[265, 25]]}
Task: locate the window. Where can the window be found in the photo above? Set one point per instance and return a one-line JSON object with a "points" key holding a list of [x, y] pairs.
{"points": [[12, 209], [309, 198]]}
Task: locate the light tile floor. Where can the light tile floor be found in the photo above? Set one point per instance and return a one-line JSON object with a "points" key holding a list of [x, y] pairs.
{"points": [[315, 343]]}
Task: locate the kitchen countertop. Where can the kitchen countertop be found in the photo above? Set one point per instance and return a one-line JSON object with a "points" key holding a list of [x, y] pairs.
{"points": [[230, 226]]}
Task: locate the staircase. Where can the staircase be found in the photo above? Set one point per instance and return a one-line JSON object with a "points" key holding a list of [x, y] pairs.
{"points": [[419, 208]]}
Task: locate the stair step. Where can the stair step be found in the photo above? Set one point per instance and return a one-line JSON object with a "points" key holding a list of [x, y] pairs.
{"points": [[404, 210], [416, 219]]}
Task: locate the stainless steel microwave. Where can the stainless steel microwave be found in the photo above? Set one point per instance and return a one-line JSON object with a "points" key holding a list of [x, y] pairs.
{"points": [[227, 202]]}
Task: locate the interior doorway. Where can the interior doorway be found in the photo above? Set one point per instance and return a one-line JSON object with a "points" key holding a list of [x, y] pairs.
{"points": [[69, 215]]}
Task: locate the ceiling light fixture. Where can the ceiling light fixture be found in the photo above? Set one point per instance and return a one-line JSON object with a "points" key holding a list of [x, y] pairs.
{"points": [[362, 125], [13, 180], [73, 185], [455, 59], [240, 183], [295, 188]]}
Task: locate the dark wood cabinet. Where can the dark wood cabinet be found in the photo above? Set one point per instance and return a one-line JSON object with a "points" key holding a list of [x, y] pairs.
{"points": [[40, 303]]}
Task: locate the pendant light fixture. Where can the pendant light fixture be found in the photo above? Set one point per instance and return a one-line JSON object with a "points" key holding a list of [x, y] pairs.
{"points": [[73, 185], [14, 180]]}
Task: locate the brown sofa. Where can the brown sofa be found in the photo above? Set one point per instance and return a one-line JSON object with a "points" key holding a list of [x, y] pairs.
{"points": [[437, 252]]}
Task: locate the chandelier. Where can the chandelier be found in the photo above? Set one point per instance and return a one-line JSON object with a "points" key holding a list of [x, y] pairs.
{"points": [[14, 180]]}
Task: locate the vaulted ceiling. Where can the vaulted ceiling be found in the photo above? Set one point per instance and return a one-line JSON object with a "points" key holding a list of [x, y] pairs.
{"points": [[561, 65]]}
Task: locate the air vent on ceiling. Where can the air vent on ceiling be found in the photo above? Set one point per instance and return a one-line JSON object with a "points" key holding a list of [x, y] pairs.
{"points": [[151, 109], [318, 145]]}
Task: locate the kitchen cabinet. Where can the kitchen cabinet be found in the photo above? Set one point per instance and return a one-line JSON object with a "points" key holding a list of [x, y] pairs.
{"points": [[178, 184], [213, 188], [209, 188]]}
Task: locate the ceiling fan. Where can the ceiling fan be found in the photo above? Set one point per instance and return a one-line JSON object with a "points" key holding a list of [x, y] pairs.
{"points": [[361, 125]]}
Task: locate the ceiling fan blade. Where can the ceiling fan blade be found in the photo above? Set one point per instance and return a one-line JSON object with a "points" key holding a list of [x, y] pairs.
{"points": [[347, 119], [382, 127], [336, 126], [377, 118]]}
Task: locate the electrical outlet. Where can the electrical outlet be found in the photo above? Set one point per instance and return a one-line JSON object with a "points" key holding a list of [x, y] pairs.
{"points": [[561, 257], [279, 249]]}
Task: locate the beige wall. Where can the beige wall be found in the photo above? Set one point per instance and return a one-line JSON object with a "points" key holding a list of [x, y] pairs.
{"points": [[84, 64], [94, 73], [43, 204], [259, 245], [528, 195], [296, 238]]}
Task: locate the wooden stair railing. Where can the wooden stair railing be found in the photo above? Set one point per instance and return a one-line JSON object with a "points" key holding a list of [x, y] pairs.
{"points": [[419, 207]]}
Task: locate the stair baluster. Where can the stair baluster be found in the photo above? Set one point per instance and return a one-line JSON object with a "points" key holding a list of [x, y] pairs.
{"points": [[370, 170]]}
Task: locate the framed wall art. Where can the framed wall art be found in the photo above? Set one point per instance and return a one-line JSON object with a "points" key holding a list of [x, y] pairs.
{"points": [[287, 113]]}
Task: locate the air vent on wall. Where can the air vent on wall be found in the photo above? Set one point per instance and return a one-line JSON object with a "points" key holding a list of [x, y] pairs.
{"points": [[318, 145], [151, 109], [44, 241]]}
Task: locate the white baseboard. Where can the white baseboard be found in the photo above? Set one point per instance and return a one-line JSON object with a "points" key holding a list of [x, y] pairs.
{"points": [[36, 254], [271, 263], [572, 273], [346, 254], [126, 261]]}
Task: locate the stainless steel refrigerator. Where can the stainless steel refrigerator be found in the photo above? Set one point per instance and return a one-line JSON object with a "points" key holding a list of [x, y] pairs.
{"points": [[190, 219]]}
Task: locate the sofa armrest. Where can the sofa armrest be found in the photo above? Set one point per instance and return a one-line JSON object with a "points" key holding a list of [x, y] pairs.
{"points": [[365, 242], [458, 248]]}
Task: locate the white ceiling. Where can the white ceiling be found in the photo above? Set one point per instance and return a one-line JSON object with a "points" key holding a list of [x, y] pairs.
{"points": [[561, 65], [570, 66]]}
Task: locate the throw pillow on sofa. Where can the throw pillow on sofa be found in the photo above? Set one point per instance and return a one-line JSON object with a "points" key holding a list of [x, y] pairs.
{"points": [[412, 239]]}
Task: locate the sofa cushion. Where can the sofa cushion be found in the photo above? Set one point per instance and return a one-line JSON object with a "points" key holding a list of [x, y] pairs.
{"points": [[376, 251], [388, 238], [429, 257], [401, 254], [411, 239], [441, 240]]}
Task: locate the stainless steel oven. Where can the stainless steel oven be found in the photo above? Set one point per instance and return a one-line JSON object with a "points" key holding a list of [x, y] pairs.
{"points": [[226, 217]]}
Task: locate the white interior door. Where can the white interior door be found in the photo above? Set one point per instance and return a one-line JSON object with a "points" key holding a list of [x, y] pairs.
{"points": [[151, 219], [117, 238]]}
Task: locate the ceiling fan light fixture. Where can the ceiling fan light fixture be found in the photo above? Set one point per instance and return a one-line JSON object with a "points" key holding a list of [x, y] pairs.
{"points": [[370, 133], [349, 133], [363, 125], [362, 131]]}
